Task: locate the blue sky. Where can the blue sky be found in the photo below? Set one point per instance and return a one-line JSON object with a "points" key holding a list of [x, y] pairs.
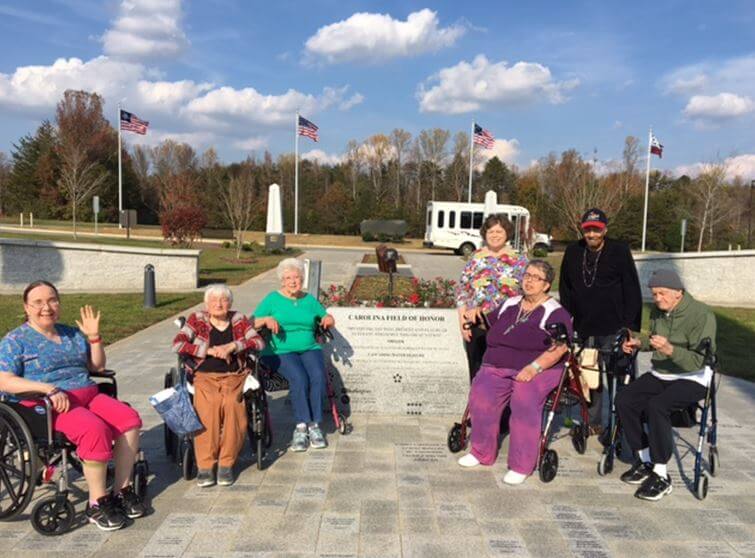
{"points": [[541, 76]]}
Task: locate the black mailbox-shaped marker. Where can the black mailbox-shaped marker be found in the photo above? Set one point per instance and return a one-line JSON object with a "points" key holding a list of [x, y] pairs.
{"points": [[387, 259]]}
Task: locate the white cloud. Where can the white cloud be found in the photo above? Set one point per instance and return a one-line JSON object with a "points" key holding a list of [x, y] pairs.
{"points": [[506, 150], [254, 143], [198, 140], [322, 157], [169, 94], [378, 37], [742, 166], [146, 29], [352, 101], [471, 86], [37, 87], [718, 107], [227, 105]]}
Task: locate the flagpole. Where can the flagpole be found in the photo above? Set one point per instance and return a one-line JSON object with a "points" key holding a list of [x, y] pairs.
{"points": [[471, 156], [296, 174], [120, 172], [647, 190]]}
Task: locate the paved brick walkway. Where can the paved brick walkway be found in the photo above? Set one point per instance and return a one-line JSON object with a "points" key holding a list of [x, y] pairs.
{"points": [[391, 488]]}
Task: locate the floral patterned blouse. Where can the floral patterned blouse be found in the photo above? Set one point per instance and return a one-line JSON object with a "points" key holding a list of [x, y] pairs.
{"points": [[487, 281]]}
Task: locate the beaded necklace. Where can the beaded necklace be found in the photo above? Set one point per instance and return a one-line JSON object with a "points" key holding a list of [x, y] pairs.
{"points": [[589, 273]]}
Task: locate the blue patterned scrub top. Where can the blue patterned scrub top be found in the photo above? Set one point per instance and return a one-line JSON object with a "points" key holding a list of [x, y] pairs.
{"points": [[27, 353]]}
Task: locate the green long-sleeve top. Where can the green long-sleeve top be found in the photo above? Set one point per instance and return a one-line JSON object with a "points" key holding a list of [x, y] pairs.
{"points": [[685, 327]]}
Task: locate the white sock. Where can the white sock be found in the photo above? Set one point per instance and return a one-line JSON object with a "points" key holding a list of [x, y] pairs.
{"points": [[660, 470], [644, 454], [301, 427], [313, 425]]}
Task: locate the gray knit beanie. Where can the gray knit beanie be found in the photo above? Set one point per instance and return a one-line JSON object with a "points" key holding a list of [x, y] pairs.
{"points": [[665, 278]]}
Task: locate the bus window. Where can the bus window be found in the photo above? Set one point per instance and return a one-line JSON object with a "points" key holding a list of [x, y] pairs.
{"points": [[477, 222], [451, 219], [441, 216], [466, 220], [429, 217]]}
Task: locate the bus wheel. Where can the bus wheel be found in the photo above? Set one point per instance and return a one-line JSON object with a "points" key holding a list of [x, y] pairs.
{"points": [[466, 249]]}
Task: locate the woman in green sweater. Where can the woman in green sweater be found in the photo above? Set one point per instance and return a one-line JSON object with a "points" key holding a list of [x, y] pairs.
{"points": [[678, 378], [290, 315]]}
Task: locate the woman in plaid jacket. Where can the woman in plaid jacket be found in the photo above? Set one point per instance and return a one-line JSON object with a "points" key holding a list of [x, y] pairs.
{"points": [[217, 340]]}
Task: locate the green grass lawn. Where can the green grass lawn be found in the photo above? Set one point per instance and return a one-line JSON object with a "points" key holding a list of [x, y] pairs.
{"points": [[122, 314]]}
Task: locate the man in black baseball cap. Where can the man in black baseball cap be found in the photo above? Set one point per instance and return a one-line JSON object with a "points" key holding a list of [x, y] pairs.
{"points": [[599, 286]]}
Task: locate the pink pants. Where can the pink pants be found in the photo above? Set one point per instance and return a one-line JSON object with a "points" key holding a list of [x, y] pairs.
{"points": [[493, 389], [93, 421]]}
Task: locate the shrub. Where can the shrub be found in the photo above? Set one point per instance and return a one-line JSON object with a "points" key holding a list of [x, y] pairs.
{"points": [[226, 244], [247, 247], [182, 225], [540, 252], [368, 237]]}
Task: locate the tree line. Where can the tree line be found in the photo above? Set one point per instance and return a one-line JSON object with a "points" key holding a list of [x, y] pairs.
{"points": [[54, 171]]}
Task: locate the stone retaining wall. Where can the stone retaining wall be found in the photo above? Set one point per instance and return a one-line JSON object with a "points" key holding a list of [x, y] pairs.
{"points": [[723, 278], [94, 267]]}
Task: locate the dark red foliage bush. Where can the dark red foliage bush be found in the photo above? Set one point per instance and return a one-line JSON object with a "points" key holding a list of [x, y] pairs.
{"points": [[182, 224]]}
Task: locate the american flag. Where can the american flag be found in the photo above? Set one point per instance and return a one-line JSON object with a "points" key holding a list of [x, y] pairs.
{"points": [[483, 137], [131, 123], [655, 147], [308, 129]]}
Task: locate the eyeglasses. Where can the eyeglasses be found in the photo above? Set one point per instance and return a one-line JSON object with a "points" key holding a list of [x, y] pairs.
{"points": [[39, 304], [533, 277]]}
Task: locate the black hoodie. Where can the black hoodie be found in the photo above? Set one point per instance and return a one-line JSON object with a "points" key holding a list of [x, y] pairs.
{"points": [[612, 301]]}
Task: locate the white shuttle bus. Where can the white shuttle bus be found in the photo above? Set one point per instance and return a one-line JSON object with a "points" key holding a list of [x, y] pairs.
{"points": [[456, 225]]}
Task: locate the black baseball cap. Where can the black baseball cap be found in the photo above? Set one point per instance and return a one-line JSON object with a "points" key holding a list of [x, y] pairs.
{"points": [[594, 218]]}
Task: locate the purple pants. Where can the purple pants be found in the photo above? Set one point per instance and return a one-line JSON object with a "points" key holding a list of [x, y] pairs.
{"points": [[494, 388]]}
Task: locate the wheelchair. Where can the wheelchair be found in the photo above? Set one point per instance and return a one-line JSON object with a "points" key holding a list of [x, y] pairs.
{"points": [[259, 427], [33, 454]]}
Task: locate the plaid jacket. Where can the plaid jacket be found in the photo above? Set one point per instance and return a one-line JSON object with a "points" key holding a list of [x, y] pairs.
{"points": [[193, 339]]}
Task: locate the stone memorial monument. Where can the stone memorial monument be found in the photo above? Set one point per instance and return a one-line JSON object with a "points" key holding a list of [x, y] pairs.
{"points": [[407, 361], [274, 237]]}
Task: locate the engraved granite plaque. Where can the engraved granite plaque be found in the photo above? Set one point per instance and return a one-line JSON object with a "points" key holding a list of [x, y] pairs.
{"points": [[407, 361]]}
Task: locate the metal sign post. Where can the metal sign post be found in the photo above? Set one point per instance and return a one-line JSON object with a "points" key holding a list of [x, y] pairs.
{"points": [[684, 232], [95, 210]]}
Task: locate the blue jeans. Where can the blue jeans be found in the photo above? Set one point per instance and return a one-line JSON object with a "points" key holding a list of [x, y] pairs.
{"points": [[305, 373]]}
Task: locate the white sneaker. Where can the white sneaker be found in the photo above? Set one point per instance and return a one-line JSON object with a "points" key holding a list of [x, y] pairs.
{"points": [[468, 460], [512, 477]]}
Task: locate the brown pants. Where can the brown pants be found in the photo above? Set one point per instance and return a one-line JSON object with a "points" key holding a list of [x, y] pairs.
{"points": [[216, 399]]}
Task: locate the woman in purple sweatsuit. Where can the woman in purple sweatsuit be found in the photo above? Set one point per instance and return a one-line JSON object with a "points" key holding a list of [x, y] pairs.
{"points": [[520, 368]]}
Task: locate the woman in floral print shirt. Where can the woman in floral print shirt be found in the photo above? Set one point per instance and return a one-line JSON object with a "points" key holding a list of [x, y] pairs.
{"points": [[491, 275]]}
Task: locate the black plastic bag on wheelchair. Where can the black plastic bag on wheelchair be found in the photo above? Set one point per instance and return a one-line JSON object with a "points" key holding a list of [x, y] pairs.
{"points": [[686, 417]]}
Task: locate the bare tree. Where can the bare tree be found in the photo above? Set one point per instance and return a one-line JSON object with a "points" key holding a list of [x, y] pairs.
{"points": [[79, 177], [354, 164], [433, 144], [572, 187], [712, 208], [630, 157], [377, 152], [148, 191], [5, 171], [400, 141], [239, 203], [460, 165]]}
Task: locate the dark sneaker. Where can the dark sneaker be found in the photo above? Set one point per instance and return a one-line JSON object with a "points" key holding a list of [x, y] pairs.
{"points": [[107, 514], [205, 477], [130, 503], [654, 488], [225, 476], [638, 473]]}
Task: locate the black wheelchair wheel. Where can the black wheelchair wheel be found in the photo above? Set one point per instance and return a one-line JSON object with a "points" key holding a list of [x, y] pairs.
{"points": [[167, 434], [18, 464], [605, 465], [701, 487], [548, 466], [141, 473], [188, 464], [456, 441], [52, 516], [713, 461], [579, 433], [260, 453], [343, 425]]}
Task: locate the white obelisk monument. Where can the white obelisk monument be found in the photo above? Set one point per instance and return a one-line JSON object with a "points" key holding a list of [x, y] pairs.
{"points": [[274, 237]]}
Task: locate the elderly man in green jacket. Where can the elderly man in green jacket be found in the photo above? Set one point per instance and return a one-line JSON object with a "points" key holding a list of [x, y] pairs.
{"points": [[678, 378]]}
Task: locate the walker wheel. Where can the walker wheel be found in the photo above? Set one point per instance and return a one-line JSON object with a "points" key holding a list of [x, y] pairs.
{"points": [[605, 465], [579, 433], [713, 461], [701, 487], [456, 441], [141, 472], [548, 466], [52, 516], [343, 426], [189, 466]]}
